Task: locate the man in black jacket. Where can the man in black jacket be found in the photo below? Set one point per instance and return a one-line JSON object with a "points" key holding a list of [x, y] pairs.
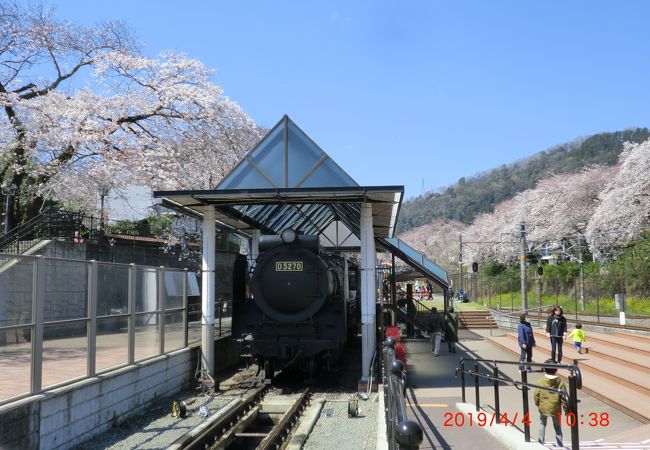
{"points": [[556, 330]]}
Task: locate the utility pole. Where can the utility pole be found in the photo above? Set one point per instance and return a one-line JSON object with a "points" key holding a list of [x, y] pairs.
{"points": [[460, 263], [522, 265], [582, 277]]}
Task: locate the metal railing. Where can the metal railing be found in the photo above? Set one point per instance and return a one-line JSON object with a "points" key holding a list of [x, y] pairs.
{"points": [[571, 397], [50, 224], [83, 318], [402, 433]]}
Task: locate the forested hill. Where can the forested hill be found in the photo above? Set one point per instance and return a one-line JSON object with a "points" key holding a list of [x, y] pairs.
{"points": [[480, 193]]}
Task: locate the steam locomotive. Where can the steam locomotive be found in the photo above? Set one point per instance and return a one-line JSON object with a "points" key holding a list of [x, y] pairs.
{"points": [[304, 305]]}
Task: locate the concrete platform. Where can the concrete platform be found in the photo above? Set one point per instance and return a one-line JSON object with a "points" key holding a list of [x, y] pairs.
{"points": [[434, 397]]}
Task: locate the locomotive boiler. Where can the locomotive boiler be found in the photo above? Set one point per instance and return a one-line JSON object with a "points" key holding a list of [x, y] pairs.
{"points": [[303, 305]]}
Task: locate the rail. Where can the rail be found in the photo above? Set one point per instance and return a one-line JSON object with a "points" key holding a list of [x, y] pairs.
{"points": [[245, 424], [575, 383], [401, 433]]}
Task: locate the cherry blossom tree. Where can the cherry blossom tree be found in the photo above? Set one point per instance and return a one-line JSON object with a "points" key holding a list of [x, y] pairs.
{"points": [[438, 240], [495, 235], [624, 209], [562, 205], [160, 122]]}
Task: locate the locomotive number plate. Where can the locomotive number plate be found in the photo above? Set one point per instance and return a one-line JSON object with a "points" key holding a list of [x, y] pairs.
{"points": [[288, 266]]}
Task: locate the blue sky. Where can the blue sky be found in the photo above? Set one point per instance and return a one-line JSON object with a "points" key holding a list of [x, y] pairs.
{"points": [[418, 93]]}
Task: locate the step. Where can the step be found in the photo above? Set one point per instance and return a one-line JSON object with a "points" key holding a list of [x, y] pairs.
{"points": [[633, 377], [628, 400], [637, 337], [638, 347], [611, 352]]}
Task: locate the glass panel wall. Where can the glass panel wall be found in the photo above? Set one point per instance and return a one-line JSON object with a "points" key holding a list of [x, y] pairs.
{"points": [[15, 362], [174, 332], [147, 338], [65, 352], [112, 342]]}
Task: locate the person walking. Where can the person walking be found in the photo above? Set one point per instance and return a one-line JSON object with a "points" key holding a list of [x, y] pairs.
{"points": [[556, 331], [578, 337], [429, 289], [526, 340], [451, 329], [434, 327], [550, 404]]}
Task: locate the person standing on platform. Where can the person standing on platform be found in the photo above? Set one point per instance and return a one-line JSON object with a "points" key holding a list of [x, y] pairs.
{"points": [[434, 328], [526, 340], [578, 337], [429, 289], [451, 329], [556, 331], [550, 404]]}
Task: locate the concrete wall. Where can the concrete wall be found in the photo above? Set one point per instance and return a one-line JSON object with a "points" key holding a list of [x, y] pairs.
{"points": [[65, 417]]}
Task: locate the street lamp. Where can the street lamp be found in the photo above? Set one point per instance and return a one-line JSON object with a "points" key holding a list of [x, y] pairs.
{"points": [[8, 191], [103, 192]]}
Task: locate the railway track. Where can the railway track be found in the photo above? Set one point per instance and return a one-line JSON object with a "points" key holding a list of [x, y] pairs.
{"points": [[257, 421]]}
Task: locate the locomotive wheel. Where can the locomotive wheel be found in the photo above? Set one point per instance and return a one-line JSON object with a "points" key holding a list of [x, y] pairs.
{"points": [[269, 369]]}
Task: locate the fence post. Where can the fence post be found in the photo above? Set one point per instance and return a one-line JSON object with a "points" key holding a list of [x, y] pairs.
{"points": [[476, 386], [185, 320], [131, 308], [38, 315], [573, 408], [161, 306], [524, 394], [462, 378], [496, 393], [92, 313]]}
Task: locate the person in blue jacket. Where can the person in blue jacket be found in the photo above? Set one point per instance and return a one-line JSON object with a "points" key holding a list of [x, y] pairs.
{"points": [[526, 341]]}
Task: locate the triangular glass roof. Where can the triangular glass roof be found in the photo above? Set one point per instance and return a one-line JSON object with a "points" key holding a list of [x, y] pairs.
{"points": [[286, 158], [288, 181]]}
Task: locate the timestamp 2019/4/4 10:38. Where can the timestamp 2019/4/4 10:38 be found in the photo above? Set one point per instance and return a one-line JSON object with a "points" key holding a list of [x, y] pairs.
{"points": [[483, 419]]}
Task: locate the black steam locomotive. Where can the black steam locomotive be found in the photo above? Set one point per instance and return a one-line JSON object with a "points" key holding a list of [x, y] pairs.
{"points": [[304, 305]]}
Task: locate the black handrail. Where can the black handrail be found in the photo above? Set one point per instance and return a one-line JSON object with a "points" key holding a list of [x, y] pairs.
{"points": [[50, 224], [401, 433], [575, 383]]}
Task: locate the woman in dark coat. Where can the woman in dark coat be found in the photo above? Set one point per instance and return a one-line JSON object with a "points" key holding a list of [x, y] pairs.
{"points": [[526, 341], [451, 329], [556, 331]]}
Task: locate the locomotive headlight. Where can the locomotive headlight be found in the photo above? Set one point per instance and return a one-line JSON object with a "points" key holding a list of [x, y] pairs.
{"points": [[288, 236]]}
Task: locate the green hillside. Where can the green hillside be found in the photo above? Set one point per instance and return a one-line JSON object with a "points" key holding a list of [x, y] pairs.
{"points": [[481, 193]]}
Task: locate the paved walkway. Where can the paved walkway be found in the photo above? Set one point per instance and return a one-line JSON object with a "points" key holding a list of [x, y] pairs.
{"points": [[435, 395]]}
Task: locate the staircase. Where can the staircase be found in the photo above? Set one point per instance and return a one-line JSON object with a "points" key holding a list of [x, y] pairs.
{"points": [[615, 369], [476, 319], [48, 225]]}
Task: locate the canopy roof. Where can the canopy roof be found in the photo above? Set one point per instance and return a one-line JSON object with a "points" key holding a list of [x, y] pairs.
{"points": [[288, 181], [416, 260]]}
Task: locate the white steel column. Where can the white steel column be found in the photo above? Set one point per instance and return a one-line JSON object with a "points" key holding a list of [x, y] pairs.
{"points": [[208, 265], [255, 248], [368, 289]]}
